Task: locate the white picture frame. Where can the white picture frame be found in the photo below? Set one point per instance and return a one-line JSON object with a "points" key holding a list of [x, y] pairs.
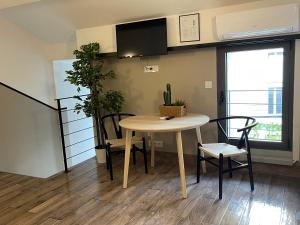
{"points": [[189, 27]]}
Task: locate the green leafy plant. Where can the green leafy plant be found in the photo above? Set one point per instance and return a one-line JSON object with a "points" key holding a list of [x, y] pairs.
{"points": [[88, 72], [179, 102], [271, 131], [114, 97]]}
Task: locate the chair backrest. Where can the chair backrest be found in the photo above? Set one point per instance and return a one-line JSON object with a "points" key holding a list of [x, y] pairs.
{"points": [[250, 122], [114, 118]]}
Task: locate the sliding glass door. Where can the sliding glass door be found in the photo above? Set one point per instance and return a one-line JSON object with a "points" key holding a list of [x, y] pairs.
{"points": [[256, 80]]}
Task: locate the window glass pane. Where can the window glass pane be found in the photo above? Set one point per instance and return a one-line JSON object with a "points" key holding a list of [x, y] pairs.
{"points": [[271, 100], [279, 101], [254, 88]]}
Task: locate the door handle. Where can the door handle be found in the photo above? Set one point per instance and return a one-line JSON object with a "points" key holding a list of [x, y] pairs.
{"points": [[221, 98]]}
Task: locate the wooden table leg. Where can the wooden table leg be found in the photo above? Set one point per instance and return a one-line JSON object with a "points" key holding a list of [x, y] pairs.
{"points": [[181, 164], [152, 150], [201, 152], [127, 157]]}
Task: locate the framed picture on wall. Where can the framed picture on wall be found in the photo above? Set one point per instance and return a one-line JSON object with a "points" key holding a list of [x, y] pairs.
{"points": [[189, 27]]}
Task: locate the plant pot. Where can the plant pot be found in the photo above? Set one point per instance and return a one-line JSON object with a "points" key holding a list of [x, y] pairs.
{"points": [[100, 155], [177, 111]]}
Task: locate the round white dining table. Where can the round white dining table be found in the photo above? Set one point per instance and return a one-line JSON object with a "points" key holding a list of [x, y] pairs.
{"points": [[152, 124]]}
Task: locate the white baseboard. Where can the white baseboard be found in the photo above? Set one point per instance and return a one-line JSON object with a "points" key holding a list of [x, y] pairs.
{"points": [[262, 156], [272, 156]]}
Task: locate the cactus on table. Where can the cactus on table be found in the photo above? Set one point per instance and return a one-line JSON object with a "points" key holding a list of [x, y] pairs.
{"points": [[168, 95]]}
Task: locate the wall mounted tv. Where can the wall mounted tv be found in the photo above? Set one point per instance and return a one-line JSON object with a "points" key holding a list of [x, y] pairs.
{"points": [[144, 38]]}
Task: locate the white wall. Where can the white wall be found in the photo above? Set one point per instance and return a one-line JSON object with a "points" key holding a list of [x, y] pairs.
{"points": [[76, 152], [105, 35], [29, 137], [296, 121], [30, 131], [24, 64]]}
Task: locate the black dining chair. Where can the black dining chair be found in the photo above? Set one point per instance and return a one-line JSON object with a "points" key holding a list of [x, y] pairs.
{"points": [[117, 143], [220, 151]]}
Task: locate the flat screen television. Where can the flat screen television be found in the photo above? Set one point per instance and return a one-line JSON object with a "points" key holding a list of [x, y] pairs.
{"points": [[145, 38]]}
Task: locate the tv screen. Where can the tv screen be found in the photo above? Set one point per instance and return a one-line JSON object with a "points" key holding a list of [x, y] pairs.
{"points": [[143, 38]]}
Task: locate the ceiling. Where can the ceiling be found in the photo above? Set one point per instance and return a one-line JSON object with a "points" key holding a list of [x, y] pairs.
{"points": [[11, 3], [57, 20]]}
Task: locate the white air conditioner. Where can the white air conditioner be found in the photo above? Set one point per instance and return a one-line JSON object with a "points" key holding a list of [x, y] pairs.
{"points": [[275, 20]]}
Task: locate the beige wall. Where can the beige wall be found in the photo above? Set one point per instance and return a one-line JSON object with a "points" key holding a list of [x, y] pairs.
{"points": [[30, 142], [185, 71]]}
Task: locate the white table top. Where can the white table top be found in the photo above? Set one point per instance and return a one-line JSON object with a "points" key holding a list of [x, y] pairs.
{"points": [[153, 123]]}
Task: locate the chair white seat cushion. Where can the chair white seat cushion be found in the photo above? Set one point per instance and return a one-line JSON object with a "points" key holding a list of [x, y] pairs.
{"points": [[122, 142], [227, 150]]}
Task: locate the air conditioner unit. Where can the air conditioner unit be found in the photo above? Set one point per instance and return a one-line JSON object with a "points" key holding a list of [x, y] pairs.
{"points": [[275, 20]]}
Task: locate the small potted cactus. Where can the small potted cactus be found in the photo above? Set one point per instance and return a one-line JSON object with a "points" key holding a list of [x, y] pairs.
{"points": [[177, 109]]}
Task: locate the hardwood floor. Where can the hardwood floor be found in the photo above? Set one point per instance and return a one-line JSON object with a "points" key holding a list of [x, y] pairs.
{"points": [[87, 196]]}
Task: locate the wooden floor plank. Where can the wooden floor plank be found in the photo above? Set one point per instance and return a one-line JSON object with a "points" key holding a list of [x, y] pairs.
{"points": [[253, 212], [290, 214], [51, 221], [87, 196], [274, 203], [238, 203]]}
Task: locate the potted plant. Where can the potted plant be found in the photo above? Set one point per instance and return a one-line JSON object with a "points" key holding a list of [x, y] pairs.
{"points": [[88, 72], [177, 109]]}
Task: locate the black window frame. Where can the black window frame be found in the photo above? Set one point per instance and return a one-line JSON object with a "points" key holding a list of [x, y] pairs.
{"points": [[287, 96]]}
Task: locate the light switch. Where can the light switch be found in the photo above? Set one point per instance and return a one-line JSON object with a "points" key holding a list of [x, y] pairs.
{"points": [[208, 84]]}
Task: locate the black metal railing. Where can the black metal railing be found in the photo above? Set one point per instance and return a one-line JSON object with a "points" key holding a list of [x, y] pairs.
{"points": [[61, 111], [265, 105], [27, 96]]}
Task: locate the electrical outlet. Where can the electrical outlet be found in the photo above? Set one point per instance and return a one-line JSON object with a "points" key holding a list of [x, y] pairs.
{"points": [[151, 69], [208, 84], [159, 144]]}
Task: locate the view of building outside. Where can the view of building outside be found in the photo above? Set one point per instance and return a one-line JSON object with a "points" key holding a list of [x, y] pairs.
{"points": [[254, 88]]}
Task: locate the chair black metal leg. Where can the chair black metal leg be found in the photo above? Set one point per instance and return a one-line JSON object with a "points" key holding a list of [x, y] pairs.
{"points": [[145, 156], [198, 165], [220, 175], [250, 171], [229, 167], [109, 162], [134, 154]]}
